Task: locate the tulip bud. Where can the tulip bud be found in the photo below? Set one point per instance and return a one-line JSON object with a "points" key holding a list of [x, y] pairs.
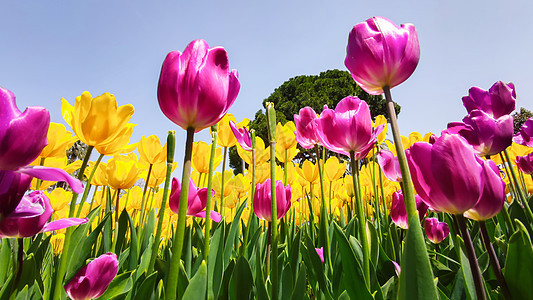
{"points": [[91, 281], [525, 163], [525, 135], [262, 199], [399, 214], [436, 231]]}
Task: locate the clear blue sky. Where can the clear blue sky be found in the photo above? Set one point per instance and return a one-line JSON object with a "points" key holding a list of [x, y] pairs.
{"points": [[55, 49]]}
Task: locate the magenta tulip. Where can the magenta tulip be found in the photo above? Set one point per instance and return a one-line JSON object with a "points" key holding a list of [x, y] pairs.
{"points": [[525, 163], [262, 200], [197, 200], [448, 175], [348, 128], [525, 135], [492, 197], [92, 280], [306, 128], [242, 135], [320, 252], [398, 213], [498, 101], [488, 135], [196, 87], [31, 217], [13, 185], [22, 135], [436, 231], [380, 54], [389, 165]]}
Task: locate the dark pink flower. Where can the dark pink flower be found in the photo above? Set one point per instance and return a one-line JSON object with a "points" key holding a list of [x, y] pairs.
{"points": [[525, 163], [262, 199], [31, 217], [498, 101], [197, 200], [242, 135], [196, 87], [379, 54], [436, 231], [92, 280], [525, 135], [320, 252], [348, 128], [13, 185], [492, 197], [306, 128], [389, 165], [398, 213]]}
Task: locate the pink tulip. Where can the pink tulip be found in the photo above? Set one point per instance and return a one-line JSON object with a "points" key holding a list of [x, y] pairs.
{"points": [[320, 252], [31, 217], [262, 199], [197, 200], [348, 128], [525, 135], [492, 197], [488, 135], [398, 213], [436, 231], [242, 135], [389, 165], [196, 87], [380, 54], [525, 163], [93, 280], [306, 128], [448, 175], [498, 101], [13, 185]]}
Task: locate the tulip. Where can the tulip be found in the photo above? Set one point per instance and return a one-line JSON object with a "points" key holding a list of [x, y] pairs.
{"points": [[30, 217], [380, 54], [200, 157], [348, 128], [309, 172], [525, 163], [436, 231], [22, 135], [262, 205], [448, 175], [123, 171], [242, 136], [498, 101], [398, 213], [98, 121], [13, 185], [389, 165], [488, 135], [91, 281], [492, 197], [196, 87], [59, 141], [525, 135], [306, 128], [333, 169], [380, 120], [285, 137], [197, 199], [262, 154], [320, 252], [225, 136]]}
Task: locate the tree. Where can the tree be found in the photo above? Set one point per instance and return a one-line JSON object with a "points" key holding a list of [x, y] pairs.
{"points": [[520, 118], [314, 91]]}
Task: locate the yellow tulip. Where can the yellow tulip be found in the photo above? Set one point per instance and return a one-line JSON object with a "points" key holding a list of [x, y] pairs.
{"points": [[333, 169], [286, 155], [100, 176], [228, 183], [414, 137], [57, 241], [54, 162], [200, 157], [225, 137], [285, 137], [262, 172], [241, 185], [151, 151], [427, 136], [98, 121], [379, 121], [262, 154], [159, 173], [59, 198], [59, 141], [135, 195], [348, 185], [123, 171], [118, 145], [309, 172]]}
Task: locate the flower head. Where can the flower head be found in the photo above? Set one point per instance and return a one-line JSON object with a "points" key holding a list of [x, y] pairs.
{"points": [[525, 163], [242, 136], [262, 200], [436, 231], [399, 214], [525, 135], [306, 128], [91, 281], [197, 200], [498, 101]]}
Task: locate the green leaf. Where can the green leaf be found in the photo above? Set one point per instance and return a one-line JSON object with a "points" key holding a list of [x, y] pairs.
{"points": [[374, 242], [241, 282], [5, 260], [232, 233], [147, 288], [300, 288], [354, 281], [215, 262], [134, 246], [286, 282], [121, 284], [518, 270], [469, 286], [416, 277]]}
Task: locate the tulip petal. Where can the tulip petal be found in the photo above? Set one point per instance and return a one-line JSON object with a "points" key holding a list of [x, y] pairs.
{"points": [[63, 223], [53, 174]]}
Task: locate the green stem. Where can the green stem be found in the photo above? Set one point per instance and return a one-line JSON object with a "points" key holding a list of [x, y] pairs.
{"points": [[523, 197], [115, 234], [88, 186], [20, 261], [143, 201], [361, 218], [494, 260], [251, 214], [323, 214], [209, 187], [177, 246], [222, 181], [62, 268], [472, 259]]}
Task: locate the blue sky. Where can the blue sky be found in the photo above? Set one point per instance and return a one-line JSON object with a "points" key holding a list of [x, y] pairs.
{"points": [[58, 49]]}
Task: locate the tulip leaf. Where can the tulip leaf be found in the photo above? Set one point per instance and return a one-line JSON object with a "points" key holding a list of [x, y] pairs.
{"points": [[232, 233], [519, 263], [147, 288], [148, 230], [122, 227], [198, 284], [469, 286], [416, 277], [353, 278], [121, 284], [286, 282], [372, 236], [241, 282], [315, 265], [5, 260], [134, 246], [300, 286], [215, 261]]}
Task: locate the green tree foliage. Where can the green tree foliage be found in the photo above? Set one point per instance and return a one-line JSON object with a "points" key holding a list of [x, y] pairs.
{"points": [[314, 91], [520, 118]]}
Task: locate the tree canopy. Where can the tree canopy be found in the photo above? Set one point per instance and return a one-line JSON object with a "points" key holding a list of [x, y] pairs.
{"points": [[315, 91]]}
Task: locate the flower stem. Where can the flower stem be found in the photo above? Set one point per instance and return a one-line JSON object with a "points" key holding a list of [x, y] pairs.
{"points": [[209, 187], [222, 181], [472, 259], [271, 123], [324, 237], [177, 246], [20, 261], [251, 214], [361, 218], [143, 201], [520, 192], [494, 260], [88, 186]]}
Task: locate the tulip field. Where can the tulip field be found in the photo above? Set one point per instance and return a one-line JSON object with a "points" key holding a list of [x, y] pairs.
{"points": [[417, 216]]}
